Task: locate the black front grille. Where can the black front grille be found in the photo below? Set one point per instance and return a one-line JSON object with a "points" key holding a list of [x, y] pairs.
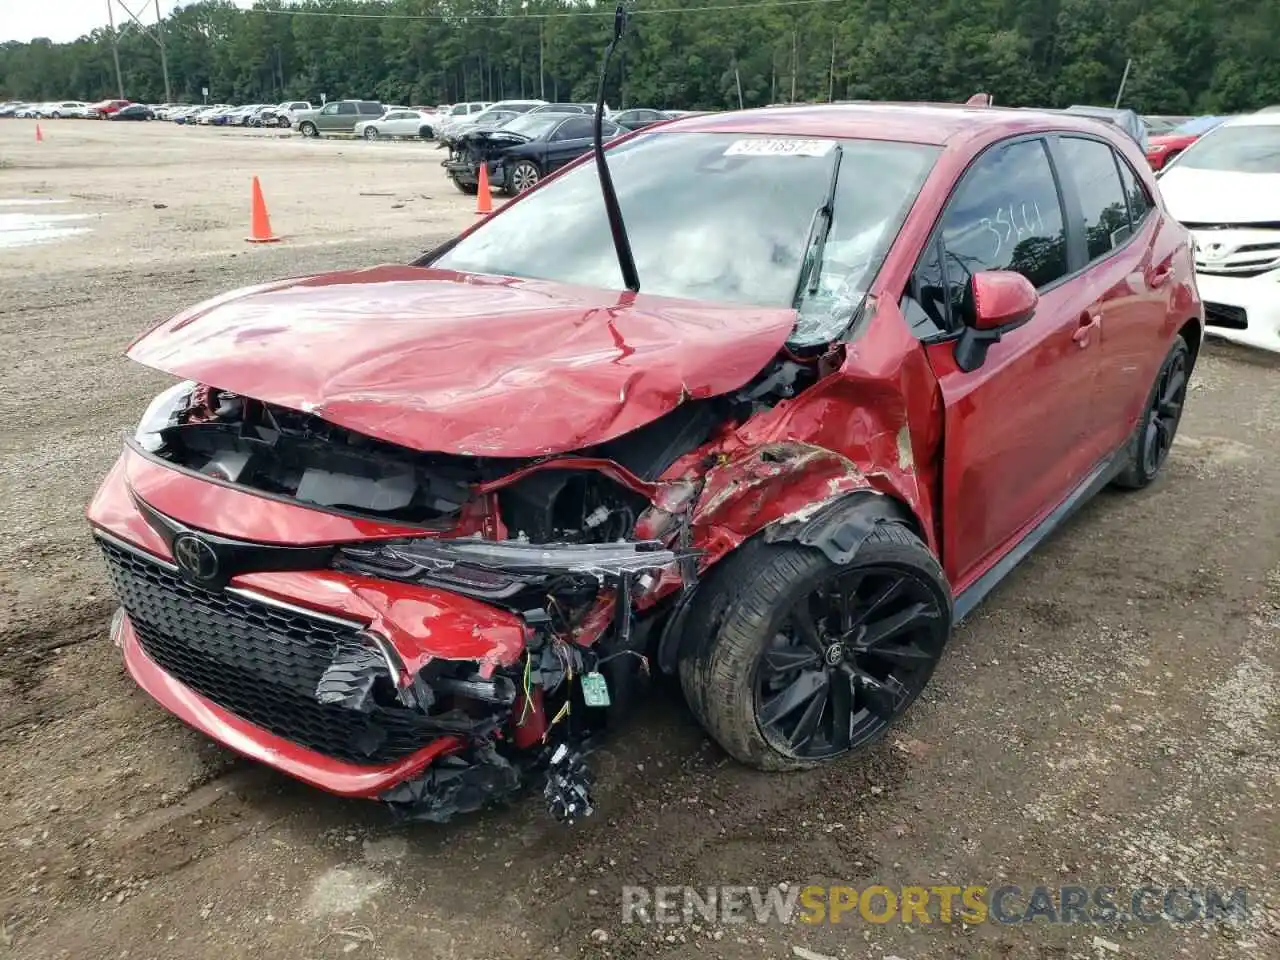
{"points": [[260, 661]]}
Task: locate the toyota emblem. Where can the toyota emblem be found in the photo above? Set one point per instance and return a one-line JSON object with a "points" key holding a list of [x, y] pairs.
{"points": [[195, 557]]}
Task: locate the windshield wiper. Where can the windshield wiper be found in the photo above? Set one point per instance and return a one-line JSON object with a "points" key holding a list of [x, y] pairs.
{"points": [[816, 242], [621, 243]]}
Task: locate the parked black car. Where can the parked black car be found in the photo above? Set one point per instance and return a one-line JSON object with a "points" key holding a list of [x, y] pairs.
{"points": [[523, 151], [134, 111], [635, 119]]}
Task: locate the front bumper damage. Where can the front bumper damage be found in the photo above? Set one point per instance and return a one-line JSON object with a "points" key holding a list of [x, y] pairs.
{"points": [[369, 671]]}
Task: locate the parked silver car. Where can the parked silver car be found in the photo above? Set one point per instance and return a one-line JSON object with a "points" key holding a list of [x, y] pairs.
{"points": [[337, 116]]}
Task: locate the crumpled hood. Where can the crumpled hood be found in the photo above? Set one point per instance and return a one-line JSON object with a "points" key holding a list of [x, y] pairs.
{"points": [[492, 137], [1219, 196], [487, 366]]}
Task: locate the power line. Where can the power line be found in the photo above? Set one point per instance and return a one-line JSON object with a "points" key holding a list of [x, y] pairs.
{"points": [[533, 16]]}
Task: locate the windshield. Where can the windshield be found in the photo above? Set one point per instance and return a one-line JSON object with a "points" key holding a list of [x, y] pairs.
{"points": [[1243, 149], [530, 125], [714, 216], [1198, 125]]}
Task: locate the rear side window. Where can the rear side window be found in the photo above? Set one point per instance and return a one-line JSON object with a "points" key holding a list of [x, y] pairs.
{"points": [[366, 106], [576, 128], [346, 108], [1005, 215], [1136, 194], [1091, 165]]}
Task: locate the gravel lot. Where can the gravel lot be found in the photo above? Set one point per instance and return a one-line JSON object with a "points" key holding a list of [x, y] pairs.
{"points": [[1110, 716]]}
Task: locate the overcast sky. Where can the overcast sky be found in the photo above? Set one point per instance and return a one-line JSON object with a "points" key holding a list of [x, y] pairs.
{"points": [[63, 20]]}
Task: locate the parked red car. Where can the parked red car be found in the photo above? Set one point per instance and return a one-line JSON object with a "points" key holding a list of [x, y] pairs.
{"points": [[105, 108], [1165, 146], [417, 532]]}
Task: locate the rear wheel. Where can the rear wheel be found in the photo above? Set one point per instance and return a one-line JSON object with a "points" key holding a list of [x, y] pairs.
{"points": [[797, 660], [1153, 438], [284, 122], [425, 132], [522, 177], [470, 189]]}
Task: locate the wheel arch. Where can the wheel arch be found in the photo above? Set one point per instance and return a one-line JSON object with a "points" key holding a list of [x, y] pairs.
{"points": [[836, 527], [1193, 333]]}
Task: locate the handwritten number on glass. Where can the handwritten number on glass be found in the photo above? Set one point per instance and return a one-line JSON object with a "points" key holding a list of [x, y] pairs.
{"points": [[1012, 222]]}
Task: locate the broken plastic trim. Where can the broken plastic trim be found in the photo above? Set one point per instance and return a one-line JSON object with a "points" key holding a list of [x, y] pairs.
{"points": [[460, 783]]}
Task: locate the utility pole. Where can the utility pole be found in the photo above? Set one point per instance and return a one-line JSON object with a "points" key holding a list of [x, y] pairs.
{"points": [[542, 77], [164, 60], [831, 80], [737, 79], [115, 49], [1123, 80], [156, 33], [793, 64]]}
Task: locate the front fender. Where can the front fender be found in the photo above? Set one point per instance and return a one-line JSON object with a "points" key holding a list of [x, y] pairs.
{"points": [[768, 484], [780, 492]]}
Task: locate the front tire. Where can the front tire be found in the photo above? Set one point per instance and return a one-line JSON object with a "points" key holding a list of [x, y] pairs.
{"points": [[796, 660], [308, 129], [522, 177], [370, 133], [1152, 440]]}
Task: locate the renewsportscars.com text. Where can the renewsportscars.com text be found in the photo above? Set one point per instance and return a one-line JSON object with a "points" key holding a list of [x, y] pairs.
{"points": [[936, 903]]}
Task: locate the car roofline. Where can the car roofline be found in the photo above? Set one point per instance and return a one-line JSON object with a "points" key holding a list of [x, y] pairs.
{"points": [[856, 120]]}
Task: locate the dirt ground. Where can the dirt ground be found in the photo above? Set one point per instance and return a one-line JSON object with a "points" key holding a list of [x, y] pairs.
{"points": [[1110, 716]]}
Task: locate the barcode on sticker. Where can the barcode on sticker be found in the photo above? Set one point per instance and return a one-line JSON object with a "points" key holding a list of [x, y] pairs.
{"points": [[779, 147]]}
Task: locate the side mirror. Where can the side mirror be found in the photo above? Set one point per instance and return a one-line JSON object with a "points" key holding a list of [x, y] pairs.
{"points": [[1000, 301]]}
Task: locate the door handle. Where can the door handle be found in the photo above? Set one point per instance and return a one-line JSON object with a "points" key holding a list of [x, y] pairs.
{"points": [[1158, 276], [1089, 322]]}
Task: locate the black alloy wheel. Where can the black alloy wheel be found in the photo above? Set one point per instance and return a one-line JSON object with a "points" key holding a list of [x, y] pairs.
{"points": [[788, 659], [1153, 440], [850, 657]]}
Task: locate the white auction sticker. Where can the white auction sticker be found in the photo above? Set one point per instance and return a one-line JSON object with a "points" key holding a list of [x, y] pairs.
{"points": [[779, 147]]}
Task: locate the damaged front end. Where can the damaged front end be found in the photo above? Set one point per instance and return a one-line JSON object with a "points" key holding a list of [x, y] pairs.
{"points": [[568, 552], [480, 147]]}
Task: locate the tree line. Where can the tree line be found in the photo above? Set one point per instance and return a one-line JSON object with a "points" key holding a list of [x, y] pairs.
{"points": [[1185, 56]]}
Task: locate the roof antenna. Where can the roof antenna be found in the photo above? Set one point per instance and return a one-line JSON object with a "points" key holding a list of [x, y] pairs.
{"points": [[621, 243]]}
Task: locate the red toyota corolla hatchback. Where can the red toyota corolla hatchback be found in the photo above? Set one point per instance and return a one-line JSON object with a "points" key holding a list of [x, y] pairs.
{"points": [[420, 532]]}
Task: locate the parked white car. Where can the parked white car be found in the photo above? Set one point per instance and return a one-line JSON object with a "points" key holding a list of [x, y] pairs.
{"points": [[457, 113], [1225, 188], [397, 122], [493, 115], [64, 108]]}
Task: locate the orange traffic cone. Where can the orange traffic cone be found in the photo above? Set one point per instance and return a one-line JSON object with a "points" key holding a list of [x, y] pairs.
{"points": [[39, 135], [484, 199], [260, 223]]}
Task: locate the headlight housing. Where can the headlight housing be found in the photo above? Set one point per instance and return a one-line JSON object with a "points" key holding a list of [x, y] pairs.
{"points": [[499, 570], [161, 413]]}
